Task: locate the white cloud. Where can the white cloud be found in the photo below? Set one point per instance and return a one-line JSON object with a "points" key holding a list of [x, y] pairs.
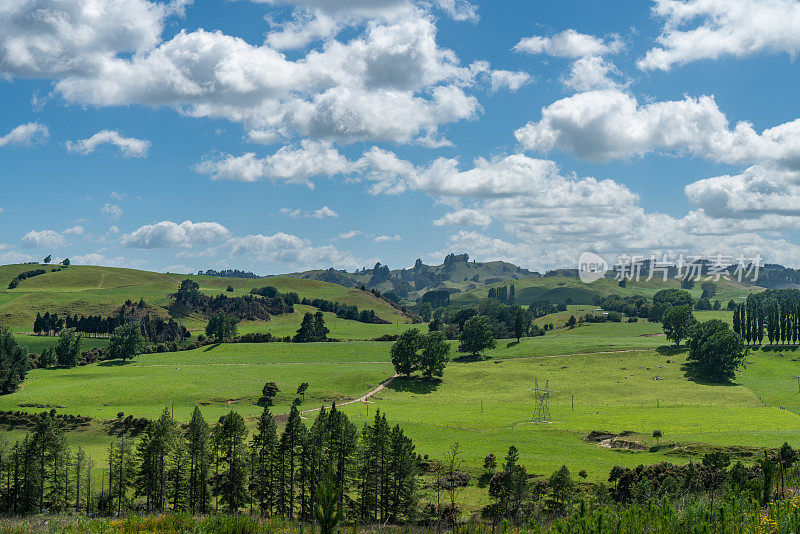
{"points": [[9, 254], [464, 217], [26, 134], [49, 239], [511, 80], [393, 82], [291, 249], [119, 197], [350, 234], [129, 146], [387, 238], [1, 209], [112, 211], [167, 234], [570, 44], [75, 230], [294, 165], [756, 192], [709, 29], [47, 38], [610, 124], [98, 258], [593, 72], [459, 9], [320, 213]]}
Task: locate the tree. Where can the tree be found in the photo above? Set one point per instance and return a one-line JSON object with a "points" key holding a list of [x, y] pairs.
{"points": [[312, 329], [522, 322], [221, 327], [657, 434], [425, 311], [65, 262], [68, 348], [715, 351], [126, 341], [269, 391], [476, 336], [570, 322], [198, 439], [301, 389], [327, 508], [265, 441], [404, 351], [48, 259], [561, 486], [678, 322], [230, 482], [709, 289], [434, 355], [47, 358], [13, 363]]}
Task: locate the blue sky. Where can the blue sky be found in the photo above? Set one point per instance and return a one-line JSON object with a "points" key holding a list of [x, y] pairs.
{"points": [[281, 135]]}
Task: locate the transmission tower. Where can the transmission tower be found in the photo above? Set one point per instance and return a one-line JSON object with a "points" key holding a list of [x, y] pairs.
{"points": [[541, 413]]}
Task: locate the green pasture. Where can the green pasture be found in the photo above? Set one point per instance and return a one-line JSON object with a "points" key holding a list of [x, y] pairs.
{"points": [[89, 290]]}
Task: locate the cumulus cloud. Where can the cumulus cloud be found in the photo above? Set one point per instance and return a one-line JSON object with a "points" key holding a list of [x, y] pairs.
{"points": [[570, 44], [350, 234], [49, 239], [9, 254], [167, 234], [387, 238], [129, 147], [756, 192], [709, 29], [507, 79], [26, 135], [464, 217], [294, 165], [393, 82], [49, 38], [98, 258], [290, 249], [593, 72], [112, 211], [611, 124]]}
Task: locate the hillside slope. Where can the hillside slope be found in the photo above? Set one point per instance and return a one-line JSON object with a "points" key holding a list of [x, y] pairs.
{"points": [[91, 290]]}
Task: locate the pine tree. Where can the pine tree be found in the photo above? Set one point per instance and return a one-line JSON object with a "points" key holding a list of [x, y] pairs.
{"points": [[263, 450], [230, 482], [199, 449]]}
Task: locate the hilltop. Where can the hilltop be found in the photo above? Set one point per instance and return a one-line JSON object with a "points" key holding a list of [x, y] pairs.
{"points": [[456, 272], [91, 290]]}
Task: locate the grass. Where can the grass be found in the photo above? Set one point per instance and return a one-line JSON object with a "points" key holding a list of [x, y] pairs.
{"points": [[219, 378], [36, 344]]}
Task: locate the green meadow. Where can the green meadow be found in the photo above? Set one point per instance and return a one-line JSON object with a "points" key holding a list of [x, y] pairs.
{"points": [[611, 377]]}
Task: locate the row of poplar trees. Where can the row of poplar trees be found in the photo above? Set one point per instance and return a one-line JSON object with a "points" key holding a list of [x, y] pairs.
{"points": [[774, 314], [200, 469]]}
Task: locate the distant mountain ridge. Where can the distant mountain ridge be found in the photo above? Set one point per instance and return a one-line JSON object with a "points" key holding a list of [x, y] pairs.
{"points": [[456, 273]]}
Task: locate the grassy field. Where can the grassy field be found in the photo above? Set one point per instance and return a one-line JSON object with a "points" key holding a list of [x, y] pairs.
{"points": [[611, 377], [89, 290], [218, 377]]}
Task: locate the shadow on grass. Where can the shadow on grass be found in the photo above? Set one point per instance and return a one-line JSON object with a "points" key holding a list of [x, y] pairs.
{"points": [[671, 350], [693, 373], [470, 358], [212, 347], [114, 363], [416, 385], [512, 344]]}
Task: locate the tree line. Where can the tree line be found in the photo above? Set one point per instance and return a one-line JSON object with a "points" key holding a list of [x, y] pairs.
{"points": [[774, 314], [201, 468]]}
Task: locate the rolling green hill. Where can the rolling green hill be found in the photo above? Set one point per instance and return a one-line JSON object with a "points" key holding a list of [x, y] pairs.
{"points": [[90, 290], [558, 289]]}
